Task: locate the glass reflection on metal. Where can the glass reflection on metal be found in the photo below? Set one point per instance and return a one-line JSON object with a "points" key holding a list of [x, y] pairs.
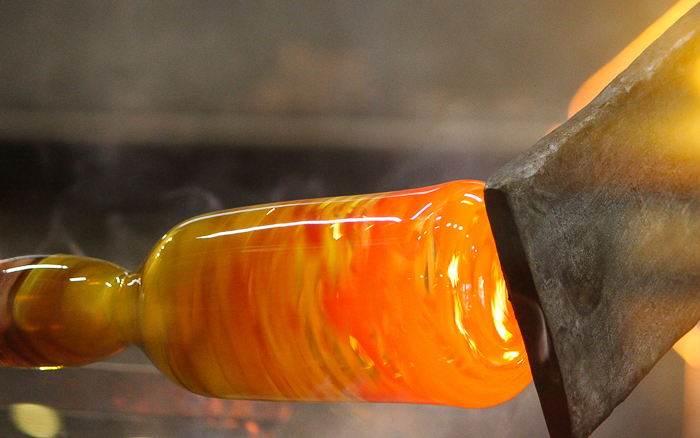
{"points": [[394, 297]]}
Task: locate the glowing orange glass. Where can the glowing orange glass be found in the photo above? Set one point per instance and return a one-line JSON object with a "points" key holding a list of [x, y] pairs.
{"points": [[394, 297]]}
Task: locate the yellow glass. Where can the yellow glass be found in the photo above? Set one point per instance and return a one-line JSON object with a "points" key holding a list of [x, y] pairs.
{"points": [[393, 297]]}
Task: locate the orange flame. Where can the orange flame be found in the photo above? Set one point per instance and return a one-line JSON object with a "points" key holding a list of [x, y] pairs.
{"points": [[595, 84], [689, 347]]}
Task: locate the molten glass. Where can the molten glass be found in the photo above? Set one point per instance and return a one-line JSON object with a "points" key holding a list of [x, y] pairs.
{"points": [[394, 297]]}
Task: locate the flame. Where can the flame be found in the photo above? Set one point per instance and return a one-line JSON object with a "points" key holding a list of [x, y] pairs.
{"points": [[595, 84], [689, 347]]}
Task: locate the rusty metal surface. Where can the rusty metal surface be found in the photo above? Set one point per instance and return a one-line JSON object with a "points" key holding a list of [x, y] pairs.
{"points": [[598, 230]]}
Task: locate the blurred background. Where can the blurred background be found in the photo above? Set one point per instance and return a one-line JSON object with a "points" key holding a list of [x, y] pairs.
{"points": [[119, 119]]}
